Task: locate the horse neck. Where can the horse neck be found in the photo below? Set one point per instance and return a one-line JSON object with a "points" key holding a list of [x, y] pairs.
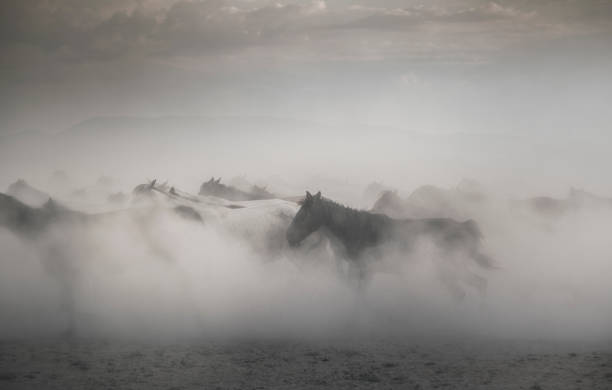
{"points": [[335, 220]]}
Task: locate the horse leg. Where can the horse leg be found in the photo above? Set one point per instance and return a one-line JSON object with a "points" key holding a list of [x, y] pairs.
{"points": [[340, 258], [446, 274], [483, 260], [450, 282], [469, 278], [463, 274], [476, 281], [359, 274]]}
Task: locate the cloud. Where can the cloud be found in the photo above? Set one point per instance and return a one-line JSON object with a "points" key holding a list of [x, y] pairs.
{"points": [[86, 30], [407, 17], [184, 27]]}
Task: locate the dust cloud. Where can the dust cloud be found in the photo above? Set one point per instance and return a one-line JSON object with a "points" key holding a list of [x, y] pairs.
{"points": [[143, 271]]}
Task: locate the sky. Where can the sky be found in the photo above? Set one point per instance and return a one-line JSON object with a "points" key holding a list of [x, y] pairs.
{"points": [[517, 67]]}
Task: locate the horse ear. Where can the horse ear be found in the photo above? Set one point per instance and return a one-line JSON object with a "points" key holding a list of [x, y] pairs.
{"points": [[211, 179], [218, 180], [318, 195], [308, 195]]}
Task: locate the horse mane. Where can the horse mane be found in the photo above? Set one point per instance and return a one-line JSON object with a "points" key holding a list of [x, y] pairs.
{"points": [[336, 205], [332, 204]]}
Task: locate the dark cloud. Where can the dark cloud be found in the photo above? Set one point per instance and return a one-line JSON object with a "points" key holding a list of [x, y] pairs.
{"points": [[184, 27], [106, 29]]}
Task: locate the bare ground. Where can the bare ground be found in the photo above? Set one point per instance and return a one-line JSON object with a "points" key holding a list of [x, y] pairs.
{"points": [[282, 364]]}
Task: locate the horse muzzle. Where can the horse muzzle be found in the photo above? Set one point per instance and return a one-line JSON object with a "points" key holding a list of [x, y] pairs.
{"points": [[293, 241]]}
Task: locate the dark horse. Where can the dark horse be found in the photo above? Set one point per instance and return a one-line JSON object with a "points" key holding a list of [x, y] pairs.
{"points": [[361, 232]]}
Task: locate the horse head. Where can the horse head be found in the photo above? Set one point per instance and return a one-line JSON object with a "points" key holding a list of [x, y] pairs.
{"points": [[308, 219]]}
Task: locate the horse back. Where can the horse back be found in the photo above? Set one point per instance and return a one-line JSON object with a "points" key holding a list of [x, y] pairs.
{"points": [[445, 229]]}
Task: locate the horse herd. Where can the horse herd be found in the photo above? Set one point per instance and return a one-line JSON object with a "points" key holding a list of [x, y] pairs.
{"points": [[359, 238]]}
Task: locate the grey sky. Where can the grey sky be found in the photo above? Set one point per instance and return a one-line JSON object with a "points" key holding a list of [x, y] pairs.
{"points": [[401, 63]]}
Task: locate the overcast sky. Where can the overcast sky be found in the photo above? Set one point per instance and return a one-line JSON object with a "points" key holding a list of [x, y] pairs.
{"points": [[437, 65]]}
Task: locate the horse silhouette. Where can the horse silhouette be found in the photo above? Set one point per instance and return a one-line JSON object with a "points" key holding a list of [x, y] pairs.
{"points": [[362, 233], [30, 221], [575, 201], [432, 202], [214, 187]]}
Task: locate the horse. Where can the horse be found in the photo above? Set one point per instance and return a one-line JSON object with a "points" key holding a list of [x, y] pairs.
{"points": [[31, 221], [363, 234], [27, 194], [214, 187], [430, 201]]}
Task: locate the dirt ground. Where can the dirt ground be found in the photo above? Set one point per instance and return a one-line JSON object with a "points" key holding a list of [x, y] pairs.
{"points": [[283, 364]]}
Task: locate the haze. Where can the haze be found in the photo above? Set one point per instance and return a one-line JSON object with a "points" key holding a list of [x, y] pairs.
{"points": [[307, 95]]}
